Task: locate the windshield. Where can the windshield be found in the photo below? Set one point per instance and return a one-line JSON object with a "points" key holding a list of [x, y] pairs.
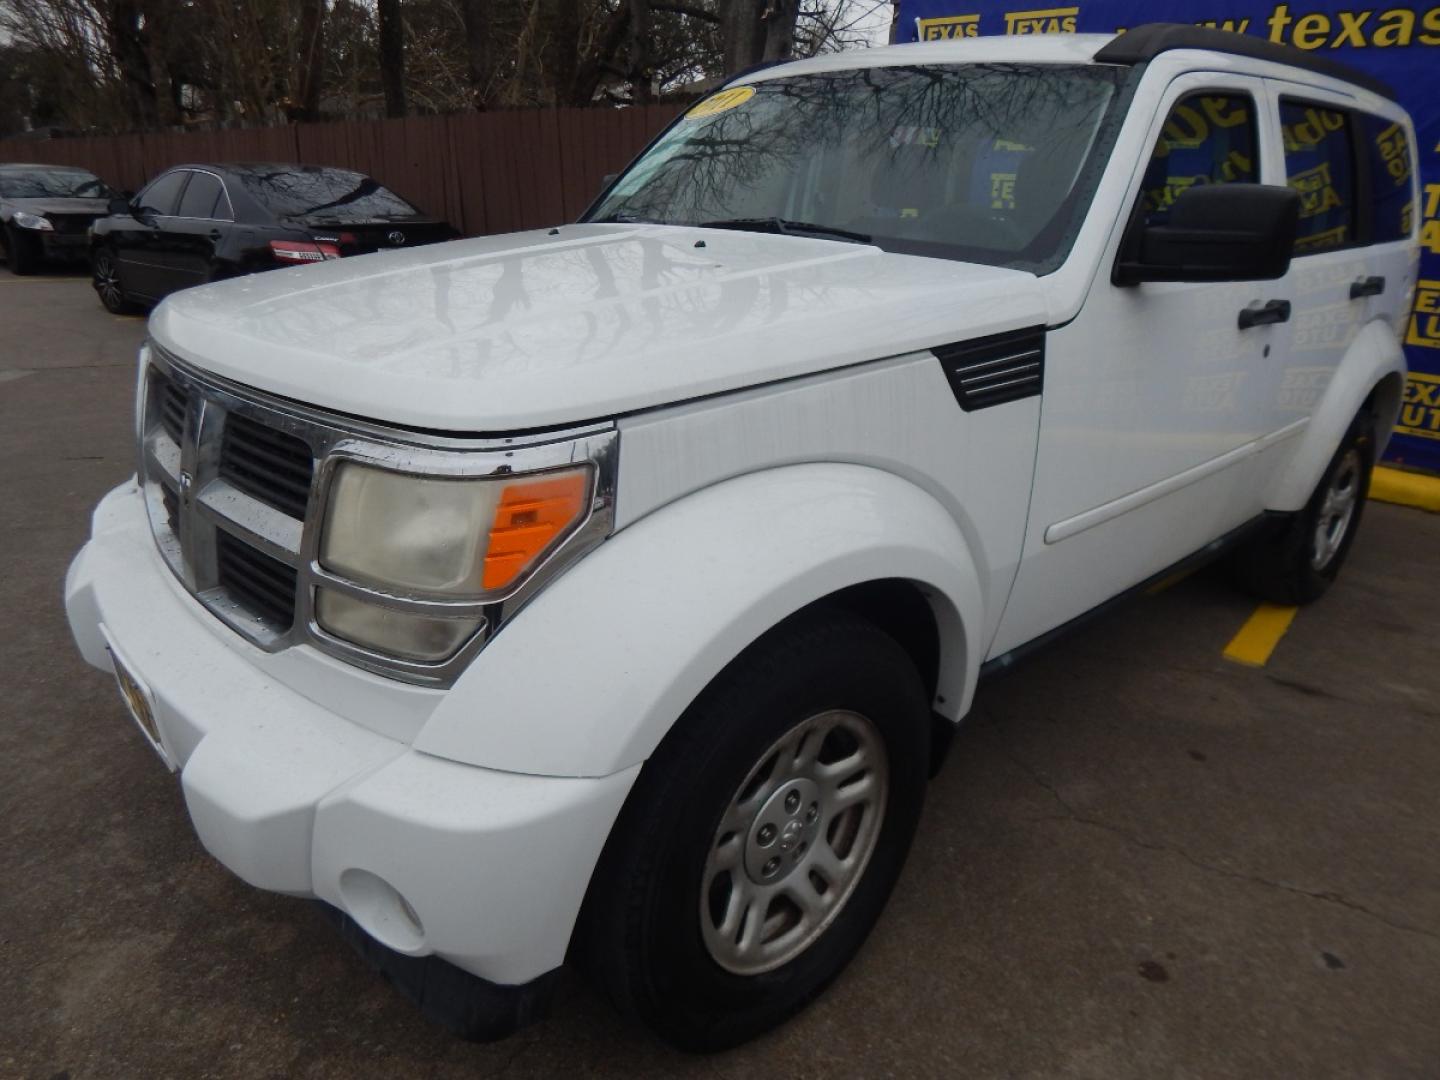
{"points": [[52, 184], [323, 194], [988, 163]]}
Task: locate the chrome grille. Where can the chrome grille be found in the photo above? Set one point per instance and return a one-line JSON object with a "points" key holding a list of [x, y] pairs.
{"points": [[263, 585], [274, 467], [235, 480]]}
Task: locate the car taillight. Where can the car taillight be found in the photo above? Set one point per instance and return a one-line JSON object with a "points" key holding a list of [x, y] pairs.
{"points": [[299, 251]]}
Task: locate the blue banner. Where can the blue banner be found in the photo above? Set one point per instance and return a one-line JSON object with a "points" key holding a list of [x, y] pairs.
{"points": [[1400, 44]]}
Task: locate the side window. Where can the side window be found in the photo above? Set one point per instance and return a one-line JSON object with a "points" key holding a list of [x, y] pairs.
{"points": [[1208, 138], [199, 198], [1392, 201], [162, 195], [1320, 165]]}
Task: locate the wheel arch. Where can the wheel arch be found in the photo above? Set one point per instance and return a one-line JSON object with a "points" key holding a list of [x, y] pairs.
{"points": [[561, 692], [1371, 374]]}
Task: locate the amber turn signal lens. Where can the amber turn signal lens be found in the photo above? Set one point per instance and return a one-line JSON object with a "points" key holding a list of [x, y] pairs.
{"points": [[531, 516]]}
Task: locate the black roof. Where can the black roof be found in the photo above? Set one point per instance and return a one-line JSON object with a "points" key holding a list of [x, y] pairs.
{"points": [[1147, 42]]}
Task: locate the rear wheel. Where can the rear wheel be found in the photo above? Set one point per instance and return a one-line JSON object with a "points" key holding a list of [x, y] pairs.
{"points": [[764, 836], [20, 252], [105, 273], [1294, 563]]}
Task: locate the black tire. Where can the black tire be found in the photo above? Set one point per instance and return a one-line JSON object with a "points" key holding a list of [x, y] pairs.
{"points": [[641, 935], [1289, 562], [20, 253], [105, 277]]}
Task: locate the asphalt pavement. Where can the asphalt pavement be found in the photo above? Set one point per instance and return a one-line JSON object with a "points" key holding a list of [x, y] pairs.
{"points": [[1141, 860]]}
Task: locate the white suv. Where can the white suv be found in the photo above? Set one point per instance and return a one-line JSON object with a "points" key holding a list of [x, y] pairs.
{"points": [[608, 592]]}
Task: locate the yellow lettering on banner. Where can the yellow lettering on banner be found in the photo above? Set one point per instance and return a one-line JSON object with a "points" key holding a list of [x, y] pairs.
{"points": [[1317, 193], [1311, 32], [1042, 21], [1393, 151], [1002, 191], [1396, 28], [949, 27], [1329, 238], [1420, 408], [1425, 318], [1392, 28]]}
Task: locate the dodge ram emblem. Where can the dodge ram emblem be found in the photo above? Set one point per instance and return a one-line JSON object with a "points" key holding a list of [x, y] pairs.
{"points": [[396, 238]]}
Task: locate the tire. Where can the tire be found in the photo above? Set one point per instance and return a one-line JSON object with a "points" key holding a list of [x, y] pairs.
{"points": [[20, 252], [105, 276], [1296, 561], [668, 931]]}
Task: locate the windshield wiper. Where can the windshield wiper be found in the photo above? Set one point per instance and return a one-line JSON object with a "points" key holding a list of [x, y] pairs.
{"points": [[625, 217], [786, 228]]}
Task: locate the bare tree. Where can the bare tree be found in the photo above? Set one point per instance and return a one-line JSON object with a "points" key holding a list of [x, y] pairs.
{"points": [[310, 66], [392, 55]]}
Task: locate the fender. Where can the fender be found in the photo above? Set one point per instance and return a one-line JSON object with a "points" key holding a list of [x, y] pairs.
{"points": [[589, 677], [1372, 356]]}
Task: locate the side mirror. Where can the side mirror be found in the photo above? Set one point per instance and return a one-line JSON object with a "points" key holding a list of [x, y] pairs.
{"points": [[1214, 232], [119, 205], [606, 181]]}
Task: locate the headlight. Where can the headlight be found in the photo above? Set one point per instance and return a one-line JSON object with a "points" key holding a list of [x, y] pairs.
{"points": [[32, 221], [437, 538]]}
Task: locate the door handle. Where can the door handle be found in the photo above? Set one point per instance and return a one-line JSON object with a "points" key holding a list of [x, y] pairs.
{"points": [[1275, 311], [1369, 286]]}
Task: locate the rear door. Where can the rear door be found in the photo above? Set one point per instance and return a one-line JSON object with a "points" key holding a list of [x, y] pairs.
{"points": [[1341, 164]]}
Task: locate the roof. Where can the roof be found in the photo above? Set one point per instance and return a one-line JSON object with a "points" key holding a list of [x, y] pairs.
{"points": [[1138, 46], [1144, 43], [6, 166]]}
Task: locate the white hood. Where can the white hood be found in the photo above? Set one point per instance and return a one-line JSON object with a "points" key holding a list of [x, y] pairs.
{"points": [[530, 330]]}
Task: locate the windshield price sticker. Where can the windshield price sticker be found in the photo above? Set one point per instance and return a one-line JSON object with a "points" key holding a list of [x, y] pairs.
{"points": [[721, 102]]}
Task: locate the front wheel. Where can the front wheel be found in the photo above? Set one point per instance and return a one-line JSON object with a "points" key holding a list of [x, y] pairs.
{"points": [[764, 836], [105, 273], [1295, 562]]}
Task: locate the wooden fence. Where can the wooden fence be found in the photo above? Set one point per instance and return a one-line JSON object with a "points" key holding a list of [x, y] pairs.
{"points": [[483, 172]]}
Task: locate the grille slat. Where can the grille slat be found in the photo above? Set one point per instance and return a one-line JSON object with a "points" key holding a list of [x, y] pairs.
{"points": [[172, 410], [267, 464], [257, 582]]}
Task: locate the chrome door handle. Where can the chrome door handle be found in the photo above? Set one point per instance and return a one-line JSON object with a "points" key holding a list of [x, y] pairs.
{"points": [[1274, 311], [1368, 286]]}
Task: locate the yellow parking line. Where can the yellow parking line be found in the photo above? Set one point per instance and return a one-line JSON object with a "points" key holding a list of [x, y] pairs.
{"points": [[1405, 488], [1260, 634]]}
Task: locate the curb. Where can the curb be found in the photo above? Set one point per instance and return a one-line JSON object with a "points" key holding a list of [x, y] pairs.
{"points": [[1405, 488]]}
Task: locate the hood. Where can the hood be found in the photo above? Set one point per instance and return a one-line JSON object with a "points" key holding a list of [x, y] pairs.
{"points": [[99, 207], [536, 330]]}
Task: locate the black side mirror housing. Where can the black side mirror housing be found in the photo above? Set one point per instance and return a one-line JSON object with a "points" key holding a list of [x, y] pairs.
{"points": [[1214, 232], [118, 205]]}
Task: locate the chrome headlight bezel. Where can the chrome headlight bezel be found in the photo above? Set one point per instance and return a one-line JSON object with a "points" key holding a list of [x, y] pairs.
{"points": [[335, 440], [33, 222]]}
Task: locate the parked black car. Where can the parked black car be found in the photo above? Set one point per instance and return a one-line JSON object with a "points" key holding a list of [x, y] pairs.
{"points": [[200, 223], [46, 212]]}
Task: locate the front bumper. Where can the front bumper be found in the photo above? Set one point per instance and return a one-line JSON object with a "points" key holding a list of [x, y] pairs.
{"points": [[484, 869]]}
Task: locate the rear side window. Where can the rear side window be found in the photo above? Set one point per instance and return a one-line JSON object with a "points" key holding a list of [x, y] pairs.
{"points": [[1320, 165], [200, 197], [1392, 197], [161, 196], [1208, 138]]}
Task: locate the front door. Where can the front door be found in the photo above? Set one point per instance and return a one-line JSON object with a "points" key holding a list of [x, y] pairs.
{"points": [[1154, 409]]}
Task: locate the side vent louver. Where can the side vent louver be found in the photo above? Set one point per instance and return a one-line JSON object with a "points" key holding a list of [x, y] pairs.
{"points": [[993, 370]]}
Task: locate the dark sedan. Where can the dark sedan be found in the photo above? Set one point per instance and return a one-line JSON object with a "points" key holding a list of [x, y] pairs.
{"points": [[46, 211], [200, 223]]}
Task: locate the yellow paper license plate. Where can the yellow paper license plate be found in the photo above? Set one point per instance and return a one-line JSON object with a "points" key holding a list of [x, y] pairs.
{"points": [[137, 699]]}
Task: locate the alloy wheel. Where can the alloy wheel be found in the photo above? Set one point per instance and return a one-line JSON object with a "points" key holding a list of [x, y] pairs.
{"points": [[107, 282], [794, 842], [1337, 510]]}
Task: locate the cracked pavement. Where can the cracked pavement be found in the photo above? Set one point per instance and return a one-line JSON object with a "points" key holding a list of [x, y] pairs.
{"points": [[1140, 860]]}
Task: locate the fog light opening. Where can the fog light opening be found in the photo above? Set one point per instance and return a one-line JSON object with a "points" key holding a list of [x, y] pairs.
{"points": [[382, 911]]}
